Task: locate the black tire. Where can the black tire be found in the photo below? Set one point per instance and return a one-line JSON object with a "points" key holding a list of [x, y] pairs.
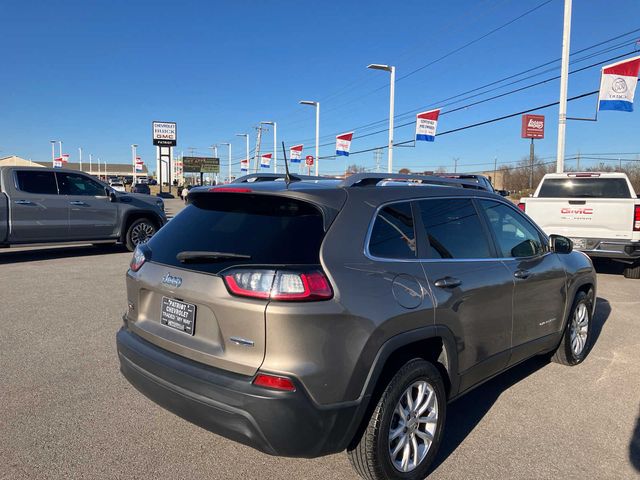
{"points": [[632, 272], [140, 231], [565, 353], [371, 455]]}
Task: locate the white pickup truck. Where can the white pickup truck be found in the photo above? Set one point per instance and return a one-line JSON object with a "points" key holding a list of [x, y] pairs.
{"points": [[600, 212]]}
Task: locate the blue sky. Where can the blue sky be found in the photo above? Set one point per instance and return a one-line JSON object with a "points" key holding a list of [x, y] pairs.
{"points": [[96, 73]]}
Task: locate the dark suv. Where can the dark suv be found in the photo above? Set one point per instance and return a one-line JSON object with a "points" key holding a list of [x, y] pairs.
{"points": [[308, 317]]}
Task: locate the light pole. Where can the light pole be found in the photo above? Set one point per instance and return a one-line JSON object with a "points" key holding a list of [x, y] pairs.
{"points": [[275, 145], [53, 151], [133, 160], [228, 144], [60, 142], [317, 105], [90, 165], [214, 149], [80, 157], [392, 70], [564, 83], [246, 136]]}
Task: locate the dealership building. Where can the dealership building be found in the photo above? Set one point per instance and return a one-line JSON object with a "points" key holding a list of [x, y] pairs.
{"points": [[104, 170]]}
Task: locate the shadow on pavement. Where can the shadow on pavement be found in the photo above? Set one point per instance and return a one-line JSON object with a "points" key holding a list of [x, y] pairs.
{"points": [[464, 414], [8, 255], [634, 446]]}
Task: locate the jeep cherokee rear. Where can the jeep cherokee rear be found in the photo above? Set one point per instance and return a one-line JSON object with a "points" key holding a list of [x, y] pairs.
{"points": [[311, 318]]}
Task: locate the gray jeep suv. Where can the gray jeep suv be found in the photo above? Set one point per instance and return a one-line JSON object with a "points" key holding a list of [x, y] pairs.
{"points": [[307, 317]]}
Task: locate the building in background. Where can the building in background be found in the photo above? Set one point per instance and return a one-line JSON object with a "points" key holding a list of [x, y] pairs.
{"points": [[104, 171]]}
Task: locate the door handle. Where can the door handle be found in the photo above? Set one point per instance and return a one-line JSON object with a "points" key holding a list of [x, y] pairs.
{"points": [[23, 202], [522, 274], [78, 203], [448, 282]]}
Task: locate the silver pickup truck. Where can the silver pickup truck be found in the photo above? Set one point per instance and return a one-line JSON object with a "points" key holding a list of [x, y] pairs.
{"points": [[41, 205]]}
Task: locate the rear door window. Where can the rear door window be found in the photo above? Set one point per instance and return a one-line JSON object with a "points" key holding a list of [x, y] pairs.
{"points": [[33, 181], [454, 229], [393, 234], [76, 184], [268, 229], [576, 187]]}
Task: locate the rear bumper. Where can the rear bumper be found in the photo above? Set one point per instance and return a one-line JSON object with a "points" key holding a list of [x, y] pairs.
{"points": [[606, 248], [274, 422]]}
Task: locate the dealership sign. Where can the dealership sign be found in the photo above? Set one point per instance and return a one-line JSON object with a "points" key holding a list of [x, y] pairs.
{"points": [[200, 165], [532, 126], [165, 134], [618, 85]]}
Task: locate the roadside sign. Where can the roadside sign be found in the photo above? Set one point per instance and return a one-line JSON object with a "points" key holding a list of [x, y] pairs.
{"points": [[164, 133], [200, 165], [532, 126], [309, 160]]}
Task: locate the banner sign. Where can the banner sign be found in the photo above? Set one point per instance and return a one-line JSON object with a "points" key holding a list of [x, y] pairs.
{"points": [[265, 160], [343, 143], [57, 162], [618, 85], [426, 124], [200, 165], [532, 126], [244, 165], [65, 158], [139, 164], [295, 153], [164, 133]]}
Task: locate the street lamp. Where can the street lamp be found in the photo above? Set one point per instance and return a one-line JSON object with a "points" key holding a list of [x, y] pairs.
{"points": [[392, 70], [53, 151], [317, 105], [275, 145], [228, 144], [246, 135]]}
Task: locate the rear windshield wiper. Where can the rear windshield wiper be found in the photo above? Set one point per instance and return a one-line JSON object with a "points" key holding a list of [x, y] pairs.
{"points": [[201, 257]]}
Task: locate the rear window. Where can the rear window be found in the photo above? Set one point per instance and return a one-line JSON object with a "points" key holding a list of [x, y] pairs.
{"points": [[32, 181], [393, 234], [584, 188], [271, 230]]}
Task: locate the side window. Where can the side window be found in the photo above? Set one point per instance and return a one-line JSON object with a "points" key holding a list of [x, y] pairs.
{"points": [[454, 229], [75, 184], [33, 181], [515, 235], [393, 234]]}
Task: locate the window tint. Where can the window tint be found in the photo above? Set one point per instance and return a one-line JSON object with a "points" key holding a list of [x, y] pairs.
{"points": [[393, 234], [575, 187], [515, 235], [33, 181], [454, 229], [271, 230], [75, 184]]}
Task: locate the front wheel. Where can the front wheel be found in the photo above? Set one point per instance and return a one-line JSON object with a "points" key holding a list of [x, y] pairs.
{"points": [[140, 231], [405, 429], [575, 342]]}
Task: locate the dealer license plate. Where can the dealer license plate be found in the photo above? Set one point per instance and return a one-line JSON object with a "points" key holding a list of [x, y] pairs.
{"points": [[178, 315]]}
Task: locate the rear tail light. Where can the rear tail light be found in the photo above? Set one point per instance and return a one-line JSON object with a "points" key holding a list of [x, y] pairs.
{"points": [[140, 255], [275, 382], [283, 285], [636, 218], [522, 206]]}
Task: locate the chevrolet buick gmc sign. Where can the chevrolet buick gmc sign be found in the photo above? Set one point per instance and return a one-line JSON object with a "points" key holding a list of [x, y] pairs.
{"points": [[165, 134], [532, 126]]}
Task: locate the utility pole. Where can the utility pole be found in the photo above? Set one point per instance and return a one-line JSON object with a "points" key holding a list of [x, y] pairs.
{"points": [[90, 165], [455, 164], [564, 84], [578, 161], [377, 156], [53, 152], [495, 172], [80, 157]]}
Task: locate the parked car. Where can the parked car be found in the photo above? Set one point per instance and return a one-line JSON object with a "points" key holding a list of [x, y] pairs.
{"points": [[600, 212], [41, 205], [480, 180], [117, 186], [304, 318], [141, 188]]}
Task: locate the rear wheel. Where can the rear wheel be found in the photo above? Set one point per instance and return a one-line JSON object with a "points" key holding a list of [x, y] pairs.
{"points": [[576, 340], [405, 429], [140, 231], [632, 271]]}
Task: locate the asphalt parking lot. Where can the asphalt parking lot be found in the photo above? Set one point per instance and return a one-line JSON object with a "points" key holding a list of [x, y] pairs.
{"points": [[66, 412]]}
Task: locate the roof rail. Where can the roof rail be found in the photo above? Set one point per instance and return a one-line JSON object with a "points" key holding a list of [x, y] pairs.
{"points": [[270, 177], [372, 179]]}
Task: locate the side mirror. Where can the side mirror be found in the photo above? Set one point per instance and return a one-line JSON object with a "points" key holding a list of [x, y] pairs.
{"points": [[110, 193], [560, 244], [503, 193]]}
